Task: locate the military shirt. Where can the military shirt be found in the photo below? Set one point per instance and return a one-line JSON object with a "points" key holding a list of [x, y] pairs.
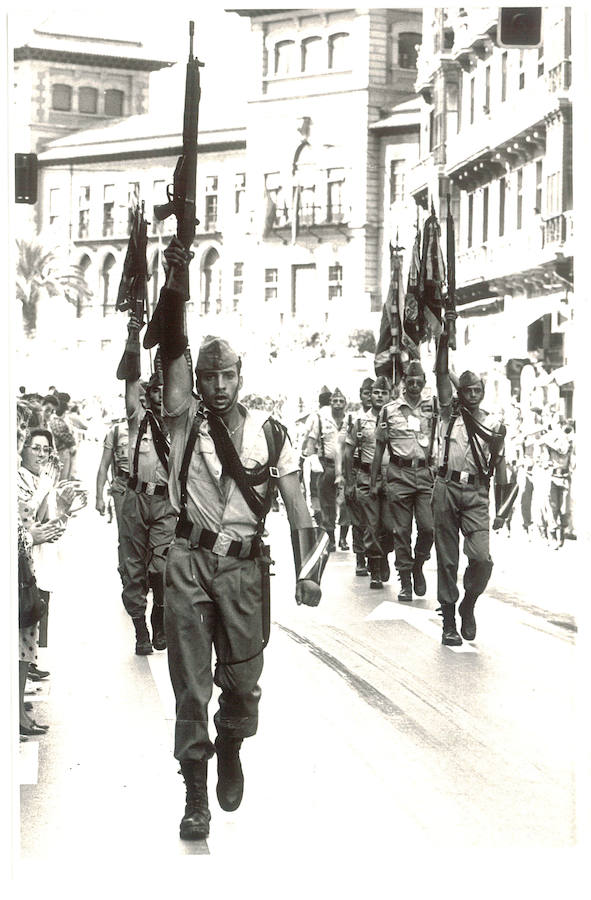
{"points": [[149, 467], [325, 433], [362, 433], [211, 503], [460, 455], [117, 441], [407, 428]]}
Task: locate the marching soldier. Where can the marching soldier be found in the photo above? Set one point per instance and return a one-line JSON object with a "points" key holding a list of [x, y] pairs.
{"points": [[358, 529], [324, 439], [116, 459], [407, 427], [370, 510], [147, 517], [224, 461], [471, 449]]}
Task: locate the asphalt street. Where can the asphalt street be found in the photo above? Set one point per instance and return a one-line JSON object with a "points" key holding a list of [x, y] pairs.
{"points": [[372, 735]]}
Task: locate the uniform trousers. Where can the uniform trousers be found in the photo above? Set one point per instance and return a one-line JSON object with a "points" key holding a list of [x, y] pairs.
{"points": [[327, 495], [147, 528], [408, 491], [465, 508], [378, 534], [212, 601], [118, 488]]}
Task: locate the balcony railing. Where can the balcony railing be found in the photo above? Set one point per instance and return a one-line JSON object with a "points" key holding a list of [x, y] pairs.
{"points": [[559, 78], [311, 215], [558, 229]]}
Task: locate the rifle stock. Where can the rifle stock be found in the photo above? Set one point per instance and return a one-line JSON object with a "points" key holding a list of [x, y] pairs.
{"points": [[182, 199]]}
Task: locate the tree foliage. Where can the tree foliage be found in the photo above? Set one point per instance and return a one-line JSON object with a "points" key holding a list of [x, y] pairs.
{"points": [[41, 270]]}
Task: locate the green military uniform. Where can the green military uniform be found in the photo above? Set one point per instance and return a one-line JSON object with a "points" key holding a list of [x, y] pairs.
{"points": [[147, 523], [214, 582], [461, 504], [377, 529], [408, 432]]}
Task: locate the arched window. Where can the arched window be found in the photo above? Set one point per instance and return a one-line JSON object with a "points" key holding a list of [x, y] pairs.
{"points": [[408, 44], [211, 281], [284, 57], [107, 284], [61, 97], [113, 103], [313, 55], [338, 51], [87, 100]]}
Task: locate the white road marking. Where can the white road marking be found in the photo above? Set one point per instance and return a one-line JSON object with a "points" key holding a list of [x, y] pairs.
{"points": [[425, 620], [28, 761]]}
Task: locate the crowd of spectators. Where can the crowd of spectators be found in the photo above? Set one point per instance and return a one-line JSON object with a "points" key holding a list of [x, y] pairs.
{"points": [[540, 452], [49, 429]]}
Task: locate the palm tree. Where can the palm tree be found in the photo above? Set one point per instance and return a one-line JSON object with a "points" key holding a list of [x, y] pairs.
{"points": [[39, 269], [34, 272]]}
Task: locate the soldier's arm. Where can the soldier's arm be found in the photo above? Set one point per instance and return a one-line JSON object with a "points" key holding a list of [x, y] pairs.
{"points": [[101, 479], [177, 372], [444, 388], [348, 464], [295, 505], [381, 441]]}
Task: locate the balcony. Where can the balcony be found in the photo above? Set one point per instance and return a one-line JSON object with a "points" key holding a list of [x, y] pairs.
{"points": [[559, 78], [558, 230], [327, 218]]}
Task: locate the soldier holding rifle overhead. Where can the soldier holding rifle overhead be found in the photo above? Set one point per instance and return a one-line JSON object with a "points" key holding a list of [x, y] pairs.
{"points": [[471, 451], [224, 462]]}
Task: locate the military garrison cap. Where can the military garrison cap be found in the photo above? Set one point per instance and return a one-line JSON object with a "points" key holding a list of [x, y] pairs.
{"points": [[154, 382], [338, 393], [414, 368], [324, 395], [215, 354], [382, 383], [468, 378], [366, 384]]}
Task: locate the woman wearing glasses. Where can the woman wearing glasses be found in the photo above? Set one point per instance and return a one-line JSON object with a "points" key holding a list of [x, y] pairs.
{"points": [[39, 510]]}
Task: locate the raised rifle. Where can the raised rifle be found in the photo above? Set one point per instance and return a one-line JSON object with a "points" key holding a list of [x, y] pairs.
{"points": [[450, 300], [133, 289], [182, 194]]}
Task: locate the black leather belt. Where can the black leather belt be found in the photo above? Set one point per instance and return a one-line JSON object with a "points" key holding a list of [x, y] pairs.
{"points": [[220, 544], [120, 472], [146, 487], [408, 463], [364, 467], [458, 477]]}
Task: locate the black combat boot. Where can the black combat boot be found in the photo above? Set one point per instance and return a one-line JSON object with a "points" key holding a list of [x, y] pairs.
{"points": [[450, 636], [344, 530], [466, 611], [420, 585], [157, 617], [230, 786], [361, 566], [157, 622], [143, 644], [405, 592], [331, 544], [384, 568], [195, 822], [374, 564]]}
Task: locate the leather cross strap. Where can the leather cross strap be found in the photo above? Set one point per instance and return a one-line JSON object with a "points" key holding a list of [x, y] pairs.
{"points": [[160, 443]]}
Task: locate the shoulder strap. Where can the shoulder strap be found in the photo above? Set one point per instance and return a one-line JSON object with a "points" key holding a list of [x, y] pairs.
{"points": [[433, 430], [189, 447], [160, 443], [136, 453], [447, 438]]}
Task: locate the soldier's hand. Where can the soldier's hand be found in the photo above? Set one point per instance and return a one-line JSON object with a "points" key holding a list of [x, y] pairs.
{"points": [[100, 505], [176, 255], [308, 593], [134, 325], [498, 523]]}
